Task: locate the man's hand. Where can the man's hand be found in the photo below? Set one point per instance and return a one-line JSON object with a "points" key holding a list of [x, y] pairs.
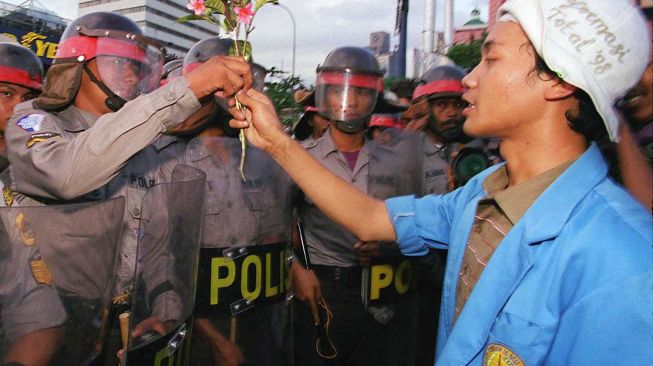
{"points": [[151, 324], [265, 128], [227, 354], [367, 250], [224, 352], [418, 114], [220, 75], [307, 288]]}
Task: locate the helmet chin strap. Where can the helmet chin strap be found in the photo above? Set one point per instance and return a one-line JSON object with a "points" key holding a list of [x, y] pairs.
{"points": [[114, 102]]}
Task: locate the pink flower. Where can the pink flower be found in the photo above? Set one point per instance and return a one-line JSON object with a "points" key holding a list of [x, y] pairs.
{"points": [[245, 14], [197, 6]]}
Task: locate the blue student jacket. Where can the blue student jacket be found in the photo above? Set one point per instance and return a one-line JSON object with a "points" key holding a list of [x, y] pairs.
{"points": [[571, 283]]}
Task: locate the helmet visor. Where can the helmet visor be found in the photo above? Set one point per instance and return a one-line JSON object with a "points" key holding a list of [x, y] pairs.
{"points": [[129, 69], [346, 96]]}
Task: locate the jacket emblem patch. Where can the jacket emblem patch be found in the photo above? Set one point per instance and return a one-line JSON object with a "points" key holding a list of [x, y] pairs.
{"points": [[500, 355]]}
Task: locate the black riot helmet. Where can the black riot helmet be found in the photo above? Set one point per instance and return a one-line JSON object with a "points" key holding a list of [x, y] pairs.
{"points": [[204, 50], [201, 52], [440, 82], [348, 85], [128, 63], [171, 69], [20, 66]]}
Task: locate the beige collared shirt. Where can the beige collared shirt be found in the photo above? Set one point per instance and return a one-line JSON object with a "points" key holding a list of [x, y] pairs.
{"points": [[495, 215]]}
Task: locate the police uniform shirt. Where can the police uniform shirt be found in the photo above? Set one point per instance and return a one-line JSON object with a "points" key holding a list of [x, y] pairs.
{"points": [[65, 155], [148, 167], [436, 167], [241, 213], [28, 302], [328, 243]]}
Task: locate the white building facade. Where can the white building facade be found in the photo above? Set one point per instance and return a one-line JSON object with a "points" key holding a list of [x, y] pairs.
{"points": [[157, 19]]}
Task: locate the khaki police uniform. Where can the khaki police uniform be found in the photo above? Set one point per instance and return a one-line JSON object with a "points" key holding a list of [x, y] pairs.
{"points": [[72, 155], [436, 167], [362, 336], [28, 302]]}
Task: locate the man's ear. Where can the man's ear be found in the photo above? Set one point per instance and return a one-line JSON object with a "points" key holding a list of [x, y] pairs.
{"points": [[559, 89]]}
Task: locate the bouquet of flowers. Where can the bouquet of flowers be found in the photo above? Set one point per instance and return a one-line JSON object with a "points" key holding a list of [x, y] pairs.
{"points": [[232, 17]]}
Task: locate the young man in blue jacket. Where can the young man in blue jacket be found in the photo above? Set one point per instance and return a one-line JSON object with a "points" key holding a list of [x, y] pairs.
{"points": [[549, 260]]}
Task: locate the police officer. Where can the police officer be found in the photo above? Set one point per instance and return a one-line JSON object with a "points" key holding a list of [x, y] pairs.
{"points": [[348, 90], [21, 76], [99, 108], [253, 215], [20, 80], [30, 310]]}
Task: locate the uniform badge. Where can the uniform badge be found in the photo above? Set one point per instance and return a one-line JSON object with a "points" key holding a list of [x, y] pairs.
{"points": [[8, 196], [24, 230], [40, 271], [500, 355], [30, 122], [40, 137]]}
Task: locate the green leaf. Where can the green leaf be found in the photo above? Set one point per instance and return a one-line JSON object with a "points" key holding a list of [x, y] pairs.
{"points": [[259, 3], [187, 18], [226, 26], [217, 6]]}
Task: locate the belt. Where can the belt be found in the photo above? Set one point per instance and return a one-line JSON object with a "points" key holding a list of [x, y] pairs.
{"points": [[344, 276]]}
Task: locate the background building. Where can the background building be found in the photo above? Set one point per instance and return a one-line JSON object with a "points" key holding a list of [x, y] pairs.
{"points": [[35, 28], [388, 60], [157, 18], [471, 31]]}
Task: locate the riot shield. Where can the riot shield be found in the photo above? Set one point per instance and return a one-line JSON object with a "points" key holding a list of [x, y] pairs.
{"points": [[395, 164], [395, 168], [166, 270], [242, 309], [56, 266]]}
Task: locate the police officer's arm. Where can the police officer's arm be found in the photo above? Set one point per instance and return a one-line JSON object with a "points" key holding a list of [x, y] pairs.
{"points": [[365, 217], [62, 165], [36, 348]]}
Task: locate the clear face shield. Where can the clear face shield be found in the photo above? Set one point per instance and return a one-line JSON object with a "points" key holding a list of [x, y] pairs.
{"points": [[346, 96], [128, 68]]}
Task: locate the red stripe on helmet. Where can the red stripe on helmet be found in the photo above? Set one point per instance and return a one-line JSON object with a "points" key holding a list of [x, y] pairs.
{"points": [[92, 47], [440, 86], [310, 108], [20, 77], [383, 121], [360, 81]]}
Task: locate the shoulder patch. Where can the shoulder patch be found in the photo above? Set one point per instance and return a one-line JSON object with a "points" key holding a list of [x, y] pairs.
{"points": [[30, 122]]}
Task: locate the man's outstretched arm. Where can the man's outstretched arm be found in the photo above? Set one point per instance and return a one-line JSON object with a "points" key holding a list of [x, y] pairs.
{"points": [[365, 217]]}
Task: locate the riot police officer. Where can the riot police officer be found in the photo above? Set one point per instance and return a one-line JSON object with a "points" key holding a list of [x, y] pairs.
{"points": [[246, 225], [98, 109], [21, 76], [436, 109], [348, 91]]}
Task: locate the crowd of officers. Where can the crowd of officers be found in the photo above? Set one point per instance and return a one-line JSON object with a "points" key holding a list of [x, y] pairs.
{"points": [[110, 120]]}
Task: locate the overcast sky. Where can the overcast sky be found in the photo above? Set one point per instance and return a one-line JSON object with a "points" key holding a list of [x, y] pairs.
{"points": [[322, 25]]}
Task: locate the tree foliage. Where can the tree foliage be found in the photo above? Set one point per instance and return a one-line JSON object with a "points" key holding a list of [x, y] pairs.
{"points": [[465, 55], [280, 90]]}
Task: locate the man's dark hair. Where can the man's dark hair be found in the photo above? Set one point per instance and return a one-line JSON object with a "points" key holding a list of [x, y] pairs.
{"points": [[587, 121]]}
